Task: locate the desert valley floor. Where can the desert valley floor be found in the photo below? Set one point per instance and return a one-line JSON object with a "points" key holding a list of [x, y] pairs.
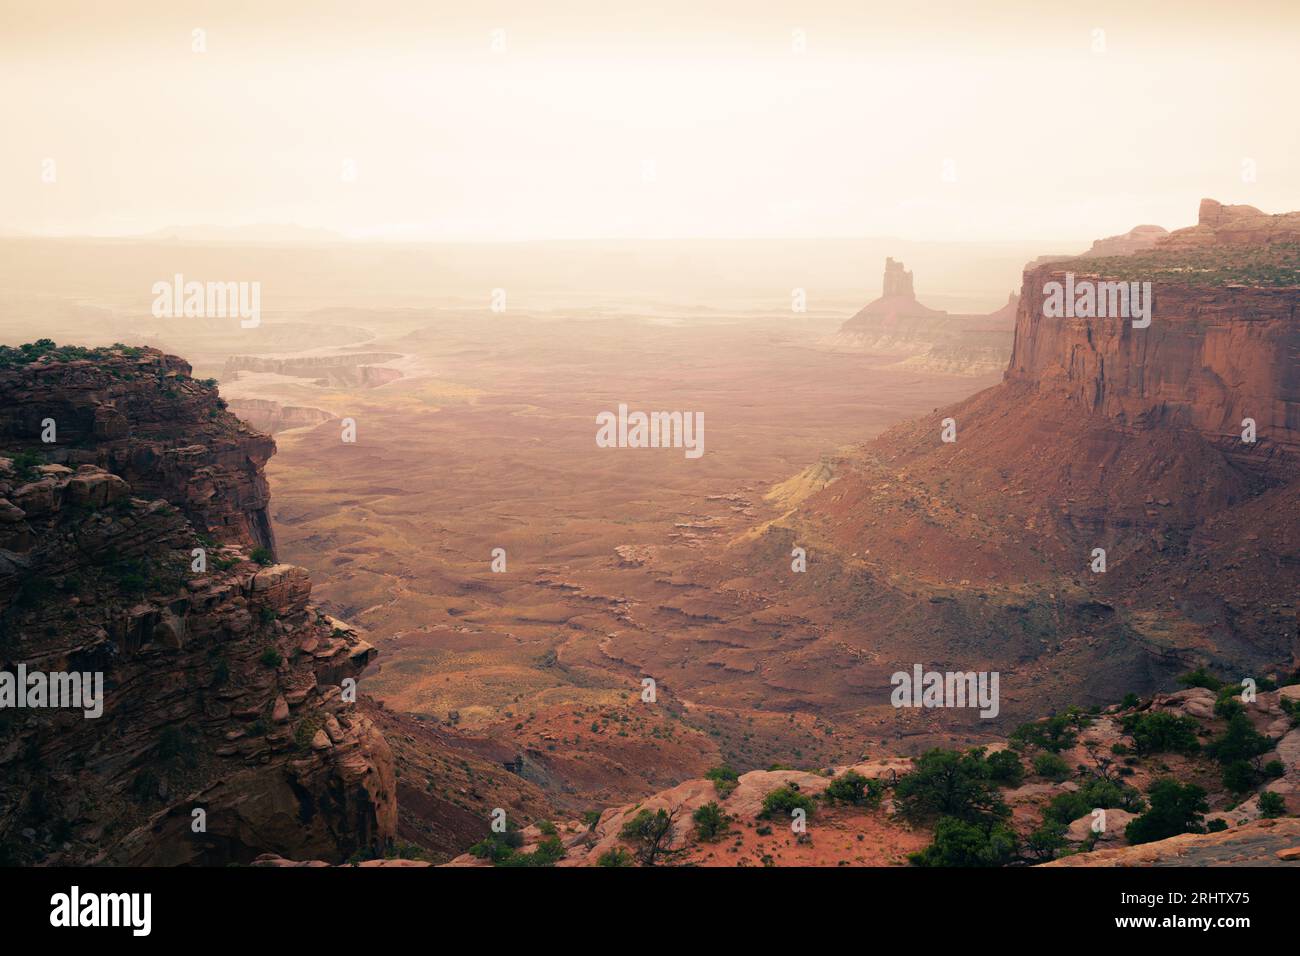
{"points": [[486, 440]]}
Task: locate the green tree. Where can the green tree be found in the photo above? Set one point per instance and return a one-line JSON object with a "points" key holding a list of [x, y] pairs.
{"points": [[852, 787], [1093, 793], [1162, 732], [1271, 804], [1240, 741], [1200, 678], [948, 783], [1005, 768], [615, 857], [783, 801], [1051, 766], [1175, 808], [710, 821], [964, 843], [1045, 842], [650, 834]]}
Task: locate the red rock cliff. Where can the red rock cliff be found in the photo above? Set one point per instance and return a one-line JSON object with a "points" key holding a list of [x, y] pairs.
{"points": [[138, 414], [222, 683], [1223, 344]]}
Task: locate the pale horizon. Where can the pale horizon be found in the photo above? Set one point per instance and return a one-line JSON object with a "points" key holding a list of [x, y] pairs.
{"points": [[932, 123]]}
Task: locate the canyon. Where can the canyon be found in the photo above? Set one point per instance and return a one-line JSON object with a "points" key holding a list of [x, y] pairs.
{"points": [[228, 689]]}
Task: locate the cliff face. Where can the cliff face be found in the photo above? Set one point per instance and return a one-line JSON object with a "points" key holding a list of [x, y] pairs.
{"points": [[221, 683], [139, 415], [1212, 356], [1103, 439]]}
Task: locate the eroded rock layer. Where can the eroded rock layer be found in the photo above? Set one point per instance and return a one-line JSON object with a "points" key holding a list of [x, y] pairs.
{"points": [[125, 552]]}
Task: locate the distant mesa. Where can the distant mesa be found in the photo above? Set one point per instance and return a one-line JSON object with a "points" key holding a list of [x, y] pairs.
{"points": [[1135, 240], [898, 298], [356, 370], [1220, 225], [897, 324], [273, 418], [898, 281]]}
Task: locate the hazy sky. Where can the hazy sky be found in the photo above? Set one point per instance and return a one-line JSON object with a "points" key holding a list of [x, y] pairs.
{"points": [[677, 120]]}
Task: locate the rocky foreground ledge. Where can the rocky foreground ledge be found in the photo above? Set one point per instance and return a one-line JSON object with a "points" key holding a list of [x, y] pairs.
{"points": [[1259, 843]]}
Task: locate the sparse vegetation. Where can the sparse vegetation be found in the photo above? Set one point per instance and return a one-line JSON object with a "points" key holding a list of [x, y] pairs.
{"points": [[1156, 732], [1051, 766], [1175, 808], [964, 843], [783, 801], [724, 779], [710, 821], [1271, 804], [948, 783], [650, 834], [853, 788]]}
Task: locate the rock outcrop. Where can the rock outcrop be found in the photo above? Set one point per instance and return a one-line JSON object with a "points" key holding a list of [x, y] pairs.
{"points": [[1261, 843], [897, 282], [898, 324], [1213, 356], [1135, 240], [354, 370], [125, 546], [138, 414], [273, 417]]}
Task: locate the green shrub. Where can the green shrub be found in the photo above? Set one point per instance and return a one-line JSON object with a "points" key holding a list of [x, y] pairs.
{"points": [[1271, 804], [271, 657], [1051, 766], [650, 833], [710, 821], [1161, 732], [1056, 733], [1092, 793], [1240, 741], [262, 556], [546, 853], [785, 800], [1239, 776], [852, 787], [963, 843], [1045, 842], [1005, 768], [1175, 808], [724, 779], [498, 847], [947, 783], [1200, 678]]}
